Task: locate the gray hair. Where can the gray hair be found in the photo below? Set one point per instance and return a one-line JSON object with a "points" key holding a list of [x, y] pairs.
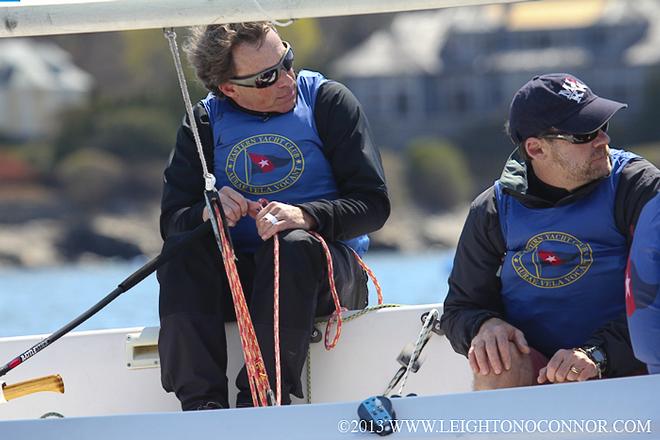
{"points": [[209, 49]]}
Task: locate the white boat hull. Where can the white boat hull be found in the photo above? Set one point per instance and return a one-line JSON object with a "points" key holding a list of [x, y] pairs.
{"points": [[99, 381], [607, 405], [106, 399]]}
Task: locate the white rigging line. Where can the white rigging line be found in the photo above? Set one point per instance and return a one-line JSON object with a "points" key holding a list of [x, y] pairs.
{"points": [[209, 179]]}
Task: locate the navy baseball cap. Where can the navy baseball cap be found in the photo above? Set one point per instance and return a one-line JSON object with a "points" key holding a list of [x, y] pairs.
{"points": [[559, 101]]}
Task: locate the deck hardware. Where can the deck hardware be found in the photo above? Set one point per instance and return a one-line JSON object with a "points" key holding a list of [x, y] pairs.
{"points": [[376, 415], [316, 336], [52, 415], [436, 324], [142, 349]]}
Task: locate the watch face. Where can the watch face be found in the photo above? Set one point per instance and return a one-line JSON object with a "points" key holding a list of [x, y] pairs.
{"points": [[598, 355]]}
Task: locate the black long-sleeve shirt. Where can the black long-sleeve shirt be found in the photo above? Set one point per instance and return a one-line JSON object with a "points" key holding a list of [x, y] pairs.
{"points": [[474, 284], [363, 205]]}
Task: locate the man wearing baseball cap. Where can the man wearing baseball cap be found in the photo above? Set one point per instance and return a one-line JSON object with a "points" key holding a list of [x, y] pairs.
{"points": [[537, 291]]}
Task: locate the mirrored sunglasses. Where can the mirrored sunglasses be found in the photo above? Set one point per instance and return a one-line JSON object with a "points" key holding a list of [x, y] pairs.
{"points": [[269, 76], [577, 138]]}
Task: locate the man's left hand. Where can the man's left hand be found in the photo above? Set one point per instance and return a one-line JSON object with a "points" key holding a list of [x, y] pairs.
{"points": [[276, 217], [568, 366]]}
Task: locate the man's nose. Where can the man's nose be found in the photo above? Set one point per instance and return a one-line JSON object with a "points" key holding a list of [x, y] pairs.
{"points": [[286, 78], [602, 139]]}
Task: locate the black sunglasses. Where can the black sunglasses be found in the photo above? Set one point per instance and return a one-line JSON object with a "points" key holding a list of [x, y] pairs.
{"points": [[577, 138], [269, 76]]}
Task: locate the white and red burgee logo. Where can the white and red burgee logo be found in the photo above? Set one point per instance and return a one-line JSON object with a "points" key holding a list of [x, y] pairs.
{"points": [[552, 260], [573, 90]]}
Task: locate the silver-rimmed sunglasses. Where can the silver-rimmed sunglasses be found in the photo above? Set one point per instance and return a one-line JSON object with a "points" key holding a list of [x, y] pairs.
{"points": [[576, 138], [269, 76]]}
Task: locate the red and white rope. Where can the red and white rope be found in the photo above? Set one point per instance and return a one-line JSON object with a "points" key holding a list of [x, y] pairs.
{"points": [[372, 275], [257, 375], [336, 315]]}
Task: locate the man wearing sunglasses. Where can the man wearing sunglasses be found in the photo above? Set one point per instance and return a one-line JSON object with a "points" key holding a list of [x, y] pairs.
{"points": [[291, 152], [536, 294]]}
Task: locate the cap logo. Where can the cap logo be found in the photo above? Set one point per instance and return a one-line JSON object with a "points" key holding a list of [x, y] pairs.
{"points": [[573, 90]]}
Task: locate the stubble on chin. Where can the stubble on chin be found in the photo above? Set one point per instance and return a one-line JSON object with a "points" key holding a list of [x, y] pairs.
{"points": [[594, 170], [587, 171]]}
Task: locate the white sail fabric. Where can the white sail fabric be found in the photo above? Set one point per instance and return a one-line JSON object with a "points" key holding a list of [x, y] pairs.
{"points": [[38, 17]]}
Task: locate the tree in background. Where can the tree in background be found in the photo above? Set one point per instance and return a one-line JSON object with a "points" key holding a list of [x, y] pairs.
{"points": [[438, 174], [305, 36], [89, 177]]}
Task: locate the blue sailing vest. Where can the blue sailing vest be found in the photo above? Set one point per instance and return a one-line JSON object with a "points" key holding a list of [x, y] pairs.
{"points": [[278, 157], [643, 288], [563, 272]]}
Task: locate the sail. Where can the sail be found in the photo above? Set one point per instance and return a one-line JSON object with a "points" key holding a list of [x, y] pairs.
{"points": [[39, 17]]}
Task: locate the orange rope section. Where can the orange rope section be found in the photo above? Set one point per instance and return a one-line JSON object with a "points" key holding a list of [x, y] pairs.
{"points": [[258, 378], [257, 375], [372, 275], [336, 315]]}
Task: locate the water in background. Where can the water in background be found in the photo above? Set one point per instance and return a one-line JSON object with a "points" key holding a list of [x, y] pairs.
{"points": [[37, 301]]}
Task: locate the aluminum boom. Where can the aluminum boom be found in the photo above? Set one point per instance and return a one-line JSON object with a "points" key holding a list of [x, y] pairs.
{"points": [[39, 17]]}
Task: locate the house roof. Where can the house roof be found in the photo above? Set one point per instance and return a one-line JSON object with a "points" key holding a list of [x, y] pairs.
{"points": [[555, 14], [413, 43], [26, 64], [398, 49]]}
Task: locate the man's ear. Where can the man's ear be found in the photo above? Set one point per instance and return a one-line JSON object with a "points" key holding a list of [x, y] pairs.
{"points": [[535, 148], [228, 89]]}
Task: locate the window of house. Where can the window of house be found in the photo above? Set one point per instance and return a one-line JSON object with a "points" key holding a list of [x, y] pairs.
{"points": [[402, 106], [459, 101], [544, 40], [620, 92], [596, 38], [432, 100], [6, 73], [367, 93], [495, 95]]}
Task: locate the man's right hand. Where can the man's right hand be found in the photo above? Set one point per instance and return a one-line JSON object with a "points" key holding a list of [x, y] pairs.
{"points": [[235, 206], [490, 348]]}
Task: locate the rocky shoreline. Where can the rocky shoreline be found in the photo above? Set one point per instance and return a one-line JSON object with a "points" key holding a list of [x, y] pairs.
{"points": [[50, 241]]}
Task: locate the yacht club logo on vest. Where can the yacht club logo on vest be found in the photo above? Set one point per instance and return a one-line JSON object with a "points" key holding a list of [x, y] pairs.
{"points": [[264, 164], [552, 260]]}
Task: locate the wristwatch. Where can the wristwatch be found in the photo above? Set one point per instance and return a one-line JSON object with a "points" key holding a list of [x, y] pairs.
{"points": [[597, 356]]}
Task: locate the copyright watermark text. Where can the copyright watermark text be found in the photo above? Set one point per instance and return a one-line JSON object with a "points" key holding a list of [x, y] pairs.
{"points": [[486, 426]]}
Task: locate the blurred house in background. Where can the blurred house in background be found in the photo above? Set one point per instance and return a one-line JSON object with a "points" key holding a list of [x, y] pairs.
{"points": [[446, 73], [37, 81]]}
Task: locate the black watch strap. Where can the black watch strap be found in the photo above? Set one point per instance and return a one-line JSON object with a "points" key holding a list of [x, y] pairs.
{"points": [[597, 356]]}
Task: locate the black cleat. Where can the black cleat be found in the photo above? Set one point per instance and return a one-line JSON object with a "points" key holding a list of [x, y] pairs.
{"points": [[209, 405]]}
